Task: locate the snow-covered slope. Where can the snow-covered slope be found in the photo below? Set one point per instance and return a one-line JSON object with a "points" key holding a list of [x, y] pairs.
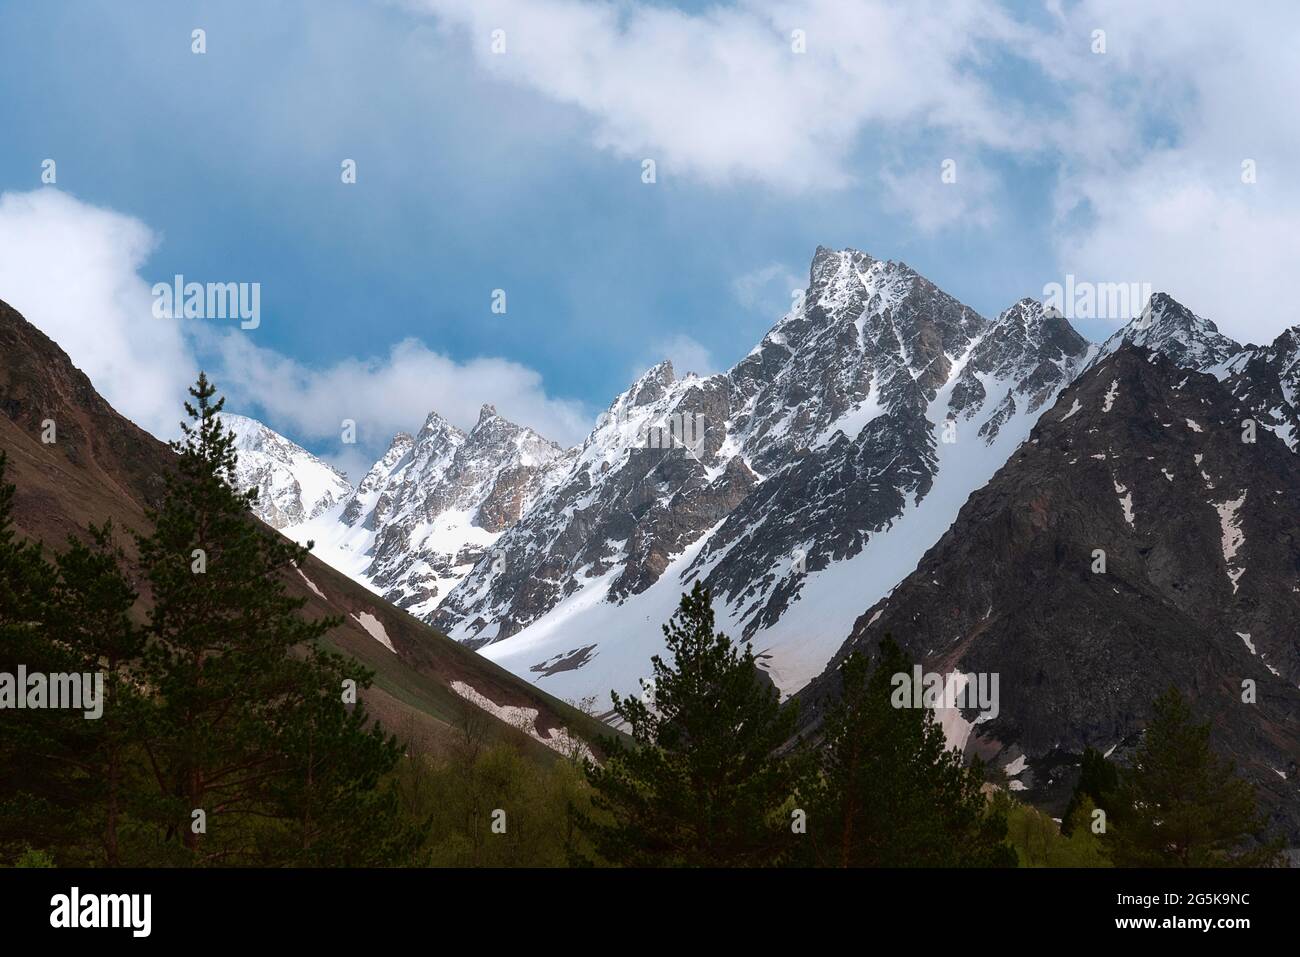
{"points": [[801, 485], [293, 486], [431, 507], [1267, 381]]}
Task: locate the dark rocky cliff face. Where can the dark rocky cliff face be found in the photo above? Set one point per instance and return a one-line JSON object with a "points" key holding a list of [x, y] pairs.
{"points": [[1141, 463]]}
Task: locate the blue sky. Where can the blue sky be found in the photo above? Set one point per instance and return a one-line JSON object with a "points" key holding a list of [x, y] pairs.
{"points": [[522, 171]]}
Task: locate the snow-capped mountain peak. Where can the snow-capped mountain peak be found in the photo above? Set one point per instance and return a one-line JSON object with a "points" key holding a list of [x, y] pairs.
{"points": [[293, 486], [650, 387], [1028, 344], [1167, 326], [371, 487], [824, 453], [432, 506]]}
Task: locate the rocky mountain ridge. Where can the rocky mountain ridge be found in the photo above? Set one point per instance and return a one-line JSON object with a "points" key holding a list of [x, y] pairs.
{"points": [[851, 433], [1144, 536]]}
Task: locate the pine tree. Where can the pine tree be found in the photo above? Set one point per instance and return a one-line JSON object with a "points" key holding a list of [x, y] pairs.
{"points": [[31, 803], [703, 784], [221, 704], [339, 808], [66, 791], [889, 794], [241, 686], [1098, 779], [90, 614], [1180, 805], [24, 583]]}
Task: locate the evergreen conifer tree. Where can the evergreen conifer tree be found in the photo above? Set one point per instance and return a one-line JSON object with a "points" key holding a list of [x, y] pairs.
{"points": [[1180, 805], [90, 617], [340, 807], [66, 787], [247, 703], [889, 793], [1098, 779], [31, 805], [702, 784]]}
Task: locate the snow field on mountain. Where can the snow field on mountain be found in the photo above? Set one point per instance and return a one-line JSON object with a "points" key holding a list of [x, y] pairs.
{"points": [[798, 646]]}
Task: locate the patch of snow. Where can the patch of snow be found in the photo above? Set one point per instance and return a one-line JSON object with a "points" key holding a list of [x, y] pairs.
{"points": [[1125, 501], [310, 584], [956, 729], [375, 628], [1110, 396], [525, 719], [855, 419], [350, 548], [1233, 536]]}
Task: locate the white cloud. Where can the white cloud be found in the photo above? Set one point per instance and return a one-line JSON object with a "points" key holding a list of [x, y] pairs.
{"points": [[769, 289], [1224, 251], [389, 394], [965, 197], [1146, 138], [72, 270], [1152, 151], [720, 95]]}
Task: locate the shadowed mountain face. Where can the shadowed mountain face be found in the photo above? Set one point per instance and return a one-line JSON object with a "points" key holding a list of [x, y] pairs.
{"points": [[99, 465], [1267, 382], [1138, 540], [842, 496]]}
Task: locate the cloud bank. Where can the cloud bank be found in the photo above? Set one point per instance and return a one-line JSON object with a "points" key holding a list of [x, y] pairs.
{"points": [[1143, 115], [770, 92], [74, 271]]}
